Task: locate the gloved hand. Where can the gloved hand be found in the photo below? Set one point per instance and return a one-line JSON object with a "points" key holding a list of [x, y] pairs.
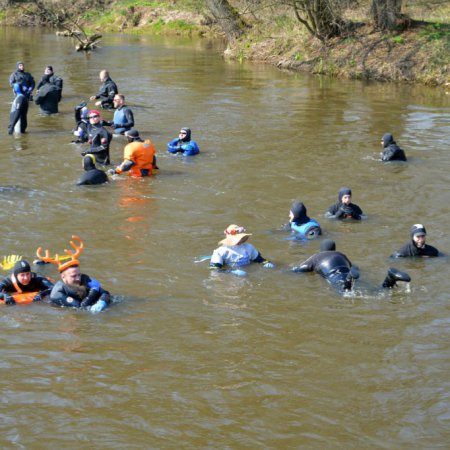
{"points": [[83, 153], [37, 298], [99, 306], [29, 89], [238, 272], [268, 265], [91, 298], [111, 172], [8, 299]]}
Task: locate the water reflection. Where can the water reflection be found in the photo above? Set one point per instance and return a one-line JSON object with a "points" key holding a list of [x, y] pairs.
{"points": [[270, 360]]}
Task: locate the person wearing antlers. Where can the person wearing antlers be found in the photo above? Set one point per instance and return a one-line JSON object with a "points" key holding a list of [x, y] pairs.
{"points": [[75, 289]]}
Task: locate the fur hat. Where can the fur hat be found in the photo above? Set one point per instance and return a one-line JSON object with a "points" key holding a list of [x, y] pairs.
{"points": [[235, 235]]}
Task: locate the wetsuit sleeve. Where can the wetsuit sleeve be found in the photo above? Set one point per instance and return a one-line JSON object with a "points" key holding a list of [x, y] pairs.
{"points": [[6, 285], [59, 296], [259, 258], [407, 250], [216, 260], [190, 148], [173, 147], [356, 212], [332, 210], [129, 119], [12, 79], [305, 266]]}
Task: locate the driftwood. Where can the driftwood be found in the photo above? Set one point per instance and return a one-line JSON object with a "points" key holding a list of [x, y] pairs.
{"points": [[87, 43]]}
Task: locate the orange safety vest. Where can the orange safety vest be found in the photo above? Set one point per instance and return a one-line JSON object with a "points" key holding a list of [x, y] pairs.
{"points": [[142, 154]]}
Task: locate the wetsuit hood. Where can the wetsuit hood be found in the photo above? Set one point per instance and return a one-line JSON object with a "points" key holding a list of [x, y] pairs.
{"points": [[344, 191], [187, 137], [328, 245], [298, 209], [18, 64], [21, 267], [387, 139], [89, 162]]}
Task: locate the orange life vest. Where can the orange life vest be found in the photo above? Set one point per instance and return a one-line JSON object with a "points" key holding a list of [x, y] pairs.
{"points": [[142, 154]]}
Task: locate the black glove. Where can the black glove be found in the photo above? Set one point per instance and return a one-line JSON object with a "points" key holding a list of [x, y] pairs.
{"points": [[91, 298], [80, 106], [8, 299], [83, 153]]}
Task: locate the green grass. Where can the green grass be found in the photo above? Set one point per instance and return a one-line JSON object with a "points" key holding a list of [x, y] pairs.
{"points": [[435, 32]]}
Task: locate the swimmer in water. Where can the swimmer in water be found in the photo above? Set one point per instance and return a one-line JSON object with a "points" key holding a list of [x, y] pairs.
{"points": [[183, 144], [391, 151], [417, 246], [301, 223], [344, 208]]}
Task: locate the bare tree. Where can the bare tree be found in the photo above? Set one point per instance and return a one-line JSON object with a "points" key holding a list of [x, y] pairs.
{"points": [[228, 18], [322, 18], [385, 13]]}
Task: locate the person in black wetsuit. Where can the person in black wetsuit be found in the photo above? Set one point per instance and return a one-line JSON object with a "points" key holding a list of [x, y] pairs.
{"points": [[417, 246], [78, 290], [19, 110], [99, 138], [338, 270], [81, 123], [92, 175], [391, 151], [48, 96], [50, 77], [23, 280], [23, 78], [107, 91], [344, 208]]}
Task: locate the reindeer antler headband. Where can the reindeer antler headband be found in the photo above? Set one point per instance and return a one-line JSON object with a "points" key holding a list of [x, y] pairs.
{"points": [[57, 260]]}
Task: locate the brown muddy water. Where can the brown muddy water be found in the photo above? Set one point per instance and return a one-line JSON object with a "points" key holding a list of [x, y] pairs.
{"points": [[187, 359]]}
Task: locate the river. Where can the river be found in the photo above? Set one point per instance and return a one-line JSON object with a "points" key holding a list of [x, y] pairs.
{"points": [[193, 360]]}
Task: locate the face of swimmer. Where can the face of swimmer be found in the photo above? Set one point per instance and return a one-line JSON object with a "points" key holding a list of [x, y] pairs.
{"points": [[72, 276], [419, 240], [24, 278], [346, 199]]}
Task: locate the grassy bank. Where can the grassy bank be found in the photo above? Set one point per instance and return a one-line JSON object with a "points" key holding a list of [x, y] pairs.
{"points": [[419, 54]]}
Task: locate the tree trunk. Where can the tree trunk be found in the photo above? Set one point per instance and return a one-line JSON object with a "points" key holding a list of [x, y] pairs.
{"points": [[227, 17], [321, 18], [385, 13]]}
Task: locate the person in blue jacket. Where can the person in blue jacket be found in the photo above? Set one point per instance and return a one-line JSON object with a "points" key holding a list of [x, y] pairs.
{"points": [[183, 144], [123, 116], [301, 223]]}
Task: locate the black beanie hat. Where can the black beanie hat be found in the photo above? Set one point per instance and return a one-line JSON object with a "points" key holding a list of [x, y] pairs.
{"points": [[21, 267], [344, 191], [418, 228], [327, 245]]}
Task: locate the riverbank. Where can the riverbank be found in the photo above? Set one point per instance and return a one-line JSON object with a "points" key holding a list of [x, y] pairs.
{"points": [[420, 54]]}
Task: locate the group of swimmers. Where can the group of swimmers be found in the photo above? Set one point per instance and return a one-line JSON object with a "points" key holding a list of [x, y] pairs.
{"points": [[235, 252], [80, 291]]}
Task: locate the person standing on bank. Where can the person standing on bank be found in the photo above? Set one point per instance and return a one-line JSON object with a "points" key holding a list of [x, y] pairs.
{"points": [[417, 245], [19, 110], [107, 91], [23, 78], [391, 151], [344, 208]]}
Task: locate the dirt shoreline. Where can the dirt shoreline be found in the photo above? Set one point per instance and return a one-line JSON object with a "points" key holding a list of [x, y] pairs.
{"points": [[420, 54]]}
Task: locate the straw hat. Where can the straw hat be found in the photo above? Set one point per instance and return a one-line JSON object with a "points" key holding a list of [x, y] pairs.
{"points": [[235, 235]]}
